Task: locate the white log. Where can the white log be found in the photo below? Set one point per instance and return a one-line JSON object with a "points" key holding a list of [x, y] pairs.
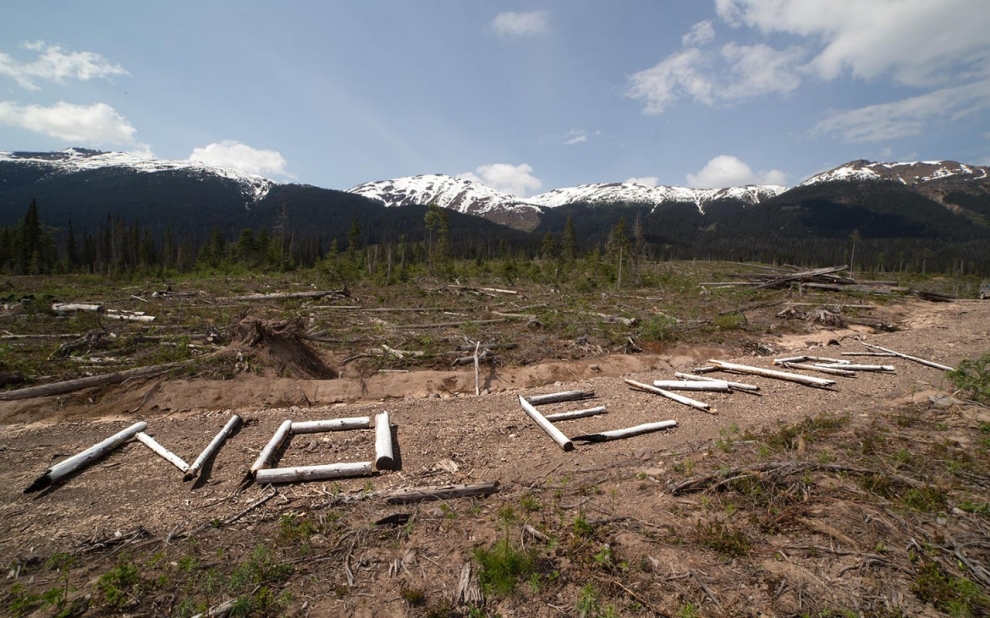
{"points": [[446, 492], [80, 460], [219, 611], [539, 400], [716, 386], [851, 367], [618, 434], [312, 473], [790, 359], [927, 363], [694, 403], [869, 354], [67, 307], [739, 386], [557, 435], [212, 447], [336, 424], [384, 454], [566, 416], [130, 317], [160, 450], [477, 370], [831, 361], [273, 445], [770, 373], [829, 370]]}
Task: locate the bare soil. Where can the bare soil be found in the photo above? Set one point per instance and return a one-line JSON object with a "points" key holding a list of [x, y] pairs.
{"points": [[777, 543]]}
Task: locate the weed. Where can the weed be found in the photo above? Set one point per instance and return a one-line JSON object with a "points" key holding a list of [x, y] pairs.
{"points": [[581, 527], [415, 597], [971, 507], [529, 502], [661, 328], [688, 610], [730, 321], [972, 378], [605, 558], [956, 596], [116, 584], [295, 529], [925, 499], [503, 566], [717, 535]]}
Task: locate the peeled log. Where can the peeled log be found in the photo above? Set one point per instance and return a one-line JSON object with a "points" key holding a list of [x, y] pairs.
{"points": [[161, 451], [557, 435], [312, 473], [829, 370], [336, 424], [566, 416], [384, 454], [273, 445], [539, 400], [770, 373], [694, 403], [739, 386], [67, 307], [618, 434], [212, 447], [717, 386], [924, 362], [80, 460], [420, 494]]}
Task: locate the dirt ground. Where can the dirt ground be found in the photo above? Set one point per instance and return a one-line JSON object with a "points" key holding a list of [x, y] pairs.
{"points": [[642, 553]]}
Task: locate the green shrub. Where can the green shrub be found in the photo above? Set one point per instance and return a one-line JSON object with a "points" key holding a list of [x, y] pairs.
{"points": [[972, 378]]}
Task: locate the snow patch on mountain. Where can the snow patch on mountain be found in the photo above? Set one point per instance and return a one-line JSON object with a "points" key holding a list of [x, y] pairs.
{"points": [[629, 193], [72, 160], [907, 172]]}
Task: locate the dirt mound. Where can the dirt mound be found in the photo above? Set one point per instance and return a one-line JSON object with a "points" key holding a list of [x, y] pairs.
{"points": [[283, 343]]}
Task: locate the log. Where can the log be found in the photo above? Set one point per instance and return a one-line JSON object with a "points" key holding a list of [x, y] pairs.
{"points": [[446, 492], [114, 314], [739, 386], [829, 370], [612, 319], [62, 469], [273, 445], [831, 361], [212, 447], [160, 450], [886, 354], [468, 360], [539, 400], [789, 359], [618, 434], [69, 307], [770, 373], [557, 435], [566, 416], [219, 611], [716, 386], [851, 367], [477, 370], [312, 473], [452, 324], [69, 386], [336, 424], [384, 454], [922, 361], [284, 295], [694, 403], [807, 274]]}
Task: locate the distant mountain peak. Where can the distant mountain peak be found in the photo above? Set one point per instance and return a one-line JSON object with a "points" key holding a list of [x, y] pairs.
{"points": [[911, 173]]}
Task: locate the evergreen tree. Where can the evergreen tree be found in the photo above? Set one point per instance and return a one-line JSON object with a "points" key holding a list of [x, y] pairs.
{"points": [[569, 242], [71, 250], [30, 241]]}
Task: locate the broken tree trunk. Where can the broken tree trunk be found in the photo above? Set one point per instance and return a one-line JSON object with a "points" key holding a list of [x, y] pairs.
{"points": [[446, 492], [312, 473], [739, 386], [69, 307], [557, 435], [336, 424], [384, 454], [539, 400], [770, 373], [927, 363], [694, 403], [212, 447], [807, 274], [69, 386], [618, 434], [715, 386], [80, 460], [566, 416], [160, 450], [273, 445]]}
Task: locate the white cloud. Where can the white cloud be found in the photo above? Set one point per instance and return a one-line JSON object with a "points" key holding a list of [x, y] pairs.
{"points": [[699, 34], [516, 180], [729, 171], [56, 65], [649, 181], [577, 136], [910, 116], [513, 24], [81, 124], [242, 157], [681, 74], [760, 69]]}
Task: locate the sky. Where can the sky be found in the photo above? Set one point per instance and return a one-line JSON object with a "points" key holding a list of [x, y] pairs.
{"points": [[523, 96]]}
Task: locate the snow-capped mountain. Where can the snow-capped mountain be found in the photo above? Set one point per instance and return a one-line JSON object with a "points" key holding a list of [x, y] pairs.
{"points": [[73, 160], [908, 173], [472, 197]]}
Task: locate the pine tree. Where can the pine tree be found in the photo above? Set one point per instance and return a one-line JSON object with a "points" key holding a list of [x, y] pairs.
{"points": [[71, 249], [569, 242]]}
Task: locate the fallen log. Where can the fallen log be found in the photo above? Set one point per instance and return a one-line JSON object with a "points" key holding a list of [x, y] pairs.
{"points": [[922, 361], [770, 373], [161, 451], [694, 403], [285, 295], [312, 473], [612, 319], [566, 416], [446, 492], [130, 316], [452, 324], [336, 424], [384, 454], [469, 360], [539, 400], [851, 367], [739, 386], [618, 434], [715, 386], [557, 435], [219, 611], [212, 447], [806, 274], [61, 470], [60, 388], [886, 354], [828, 370], [70, 307], [273, 445]]}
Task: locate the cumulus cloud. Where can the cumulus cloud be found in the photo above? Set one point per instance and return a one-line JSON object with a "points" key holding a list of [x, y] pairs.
{"points": [[681, 74], [699, 34], [57, 65], [82, 124], [514, 24], [233, 154], [515, 180], [729, 171], [649, 181]]}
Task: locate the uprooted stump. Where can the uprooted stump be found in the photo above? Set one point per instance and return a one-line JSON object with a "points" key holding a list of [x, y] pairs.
{"points": [[285, 345]]}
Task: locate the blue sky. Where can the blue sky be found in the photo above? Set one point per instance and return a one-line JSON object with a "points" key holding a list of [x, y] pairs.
{"points": [[524, 96]]}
